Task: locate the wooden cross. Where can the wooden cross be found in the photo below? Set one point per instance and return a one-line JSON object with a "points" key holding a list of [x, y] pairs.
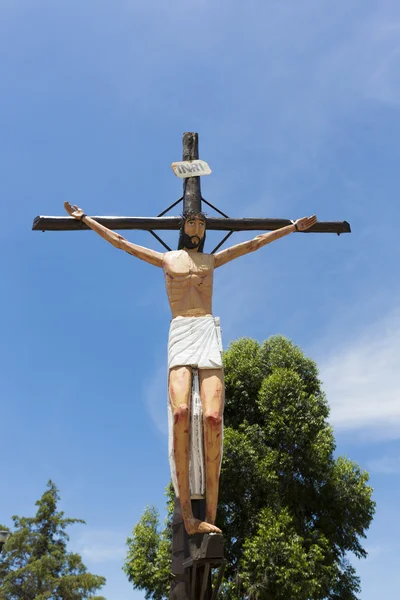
{"points": [[192, 200], [191, 558]]}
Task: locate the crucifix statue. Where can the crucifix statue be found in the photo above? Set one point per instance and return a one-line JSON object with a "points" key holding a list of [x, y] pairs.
{"points": [[194, 343], [195, 372]]}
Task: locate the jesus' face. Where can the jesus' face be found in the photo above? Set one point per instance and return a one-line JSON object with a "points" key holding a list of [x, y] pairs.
{"points": [[194, 232]]}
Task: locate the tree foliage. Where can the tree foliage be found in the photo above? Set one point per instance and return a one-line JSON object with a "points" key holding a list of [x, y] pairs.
{"points": [[147, 564], [289, 510], [35, 564]]}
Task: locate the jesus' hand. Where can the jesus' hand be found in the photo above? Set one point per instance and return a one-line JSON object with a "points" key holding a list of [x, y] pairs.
{"points": [[305, 223], [74, 211]]}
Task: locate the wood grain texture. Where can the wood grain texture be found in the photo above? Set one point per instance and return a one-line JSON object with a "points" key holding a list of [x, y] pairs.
{"points": [[191, 186]]}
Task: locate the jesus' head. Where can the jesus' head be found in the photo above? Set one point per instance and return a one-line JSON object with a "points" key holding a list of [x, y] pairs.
{"points": [[193, 232]]}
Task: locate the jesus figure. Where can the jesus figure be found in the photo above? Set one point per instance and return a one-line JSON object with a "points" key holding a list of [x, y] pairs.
{"points": [[194, 343]]}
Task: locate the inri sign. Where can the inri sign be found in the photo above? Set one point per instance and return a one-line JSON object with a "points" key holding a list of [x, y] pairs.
{"points": [[190, 168]]}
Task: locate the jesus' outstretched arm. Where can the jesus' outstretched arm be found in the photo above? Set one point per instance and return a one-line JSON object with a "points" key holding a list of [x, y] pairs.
{"points": [[221, 258], [146, 254]]}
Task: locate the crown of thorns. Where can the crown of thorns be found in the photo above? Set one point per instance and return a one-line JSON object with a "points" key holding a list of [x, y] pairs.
{"points": [[192, 214]]}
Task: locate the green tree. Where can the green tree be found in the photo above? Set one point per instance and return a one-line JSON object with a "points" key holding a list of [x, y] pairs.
{"points": [[290, 511], [35, 564], [147, 564]]}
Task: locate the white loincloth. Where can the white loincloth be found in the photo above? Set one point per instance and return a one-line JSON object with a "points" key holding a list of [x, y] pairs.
{"points": [[195, 342]]}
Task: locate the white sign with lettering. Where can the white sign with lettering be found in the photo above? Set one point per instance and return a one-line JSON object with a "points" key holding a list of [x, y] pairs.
{"points": [[190, 168]]}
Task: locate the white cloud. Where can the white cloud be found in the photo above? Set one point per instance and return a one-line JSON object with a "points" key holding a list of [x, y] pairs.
{"points": [[361, 379], [156, 396], [98, 546], [387, 465], [376, 550]]}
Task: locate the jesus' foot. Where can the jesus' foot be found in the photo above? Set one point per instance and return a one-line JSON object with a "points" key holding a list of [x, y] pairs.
{"points": [[193, 526]]}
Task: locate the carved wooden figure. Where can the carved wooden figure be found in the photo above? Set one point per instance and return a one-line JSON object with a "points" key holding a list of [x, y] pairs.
{"points": [[194, 342]]}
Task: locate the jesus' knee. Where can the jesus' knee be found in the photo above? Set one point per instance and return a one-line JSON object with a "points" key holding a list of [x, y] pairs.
{"points": [[181, 414], [213, 419]]}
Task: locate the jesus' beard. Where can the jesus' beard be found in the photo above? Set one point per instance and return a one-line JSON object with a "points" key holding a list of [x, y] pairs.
{"points": [[191, 242]]}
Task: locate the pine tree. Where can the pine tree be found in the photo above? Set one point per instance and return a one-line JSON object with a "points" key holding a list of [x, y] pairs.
{"points": [[35, 563]]}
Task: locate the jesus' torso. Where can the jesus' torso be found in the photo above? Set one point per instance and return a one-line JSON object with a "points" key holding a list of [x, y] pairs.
{"points": [[189, 282]]}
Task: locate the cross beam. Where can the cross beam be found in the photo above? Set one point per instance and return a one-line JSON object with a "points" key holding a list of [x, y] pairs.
{"points": [[43, 223]]}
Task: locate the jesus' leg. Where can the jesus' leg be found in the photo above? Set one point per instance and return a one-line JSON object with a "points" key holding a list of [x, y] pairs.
{"points": [[180, 386], [212, 397]]}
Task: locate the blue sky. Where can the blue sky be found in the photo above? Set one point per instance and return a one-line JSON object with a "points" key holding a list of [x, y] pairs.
{"points": [[297, 108]]}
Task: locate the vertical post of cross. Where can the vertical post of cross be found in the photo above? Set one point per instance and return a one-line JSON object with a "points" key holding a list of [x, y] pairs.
{"points": [[191, 185], [180, 539]]}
